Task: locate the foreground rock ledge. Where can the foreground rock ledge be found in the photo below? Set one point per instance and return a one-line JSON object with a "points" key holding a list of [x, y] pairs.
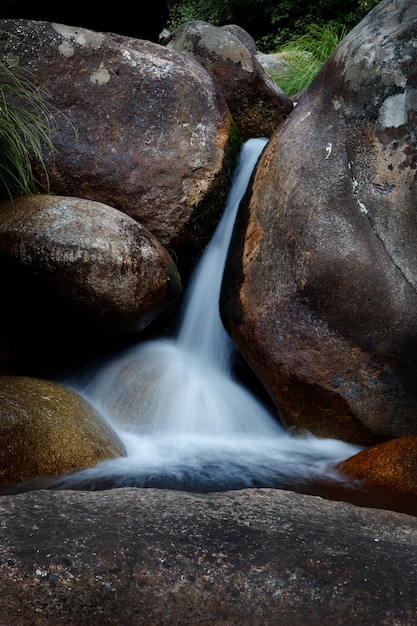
{"points": [[134, 556]]}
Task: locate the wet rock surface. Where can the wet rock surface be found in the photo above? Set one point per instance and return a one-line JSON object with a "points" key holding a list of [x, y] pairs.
{"points": [[134, 556], [390, 465], [47, 429], [320, 287]]}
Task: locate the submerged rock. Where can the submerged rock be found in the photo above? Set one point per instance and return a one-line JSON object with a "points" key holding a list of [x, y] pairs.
{"points": [[47, 429], [320, 285]]}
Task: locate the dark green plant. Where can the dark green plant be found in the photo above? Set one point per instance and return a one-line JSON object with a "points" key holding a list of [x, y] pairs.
{"points": [[25, 128], [291, 19], [215, 13], [270, 22], [306, 55]]}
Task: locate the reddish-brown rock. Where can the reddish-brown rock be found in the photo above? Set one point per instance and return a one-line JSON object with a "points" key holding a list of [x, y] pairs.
{"points": [[390, 465], [320, 286], [137, 126]]}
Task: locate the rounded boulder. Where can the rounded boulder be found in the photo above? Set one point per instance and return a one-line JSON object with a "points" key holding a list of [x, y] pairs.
{"points": [[48, 430]]}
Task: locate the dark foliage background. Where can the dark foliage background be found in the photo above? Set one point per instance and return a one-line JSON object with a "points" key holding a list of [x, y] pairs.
{"points": [[270, 22]]}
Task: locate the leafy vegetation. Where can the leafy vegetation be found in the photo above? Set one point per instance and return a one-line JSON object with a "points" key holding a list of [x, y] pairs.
{"points": [[306, 54], [272, 23], [25, 127], [305, 33]]}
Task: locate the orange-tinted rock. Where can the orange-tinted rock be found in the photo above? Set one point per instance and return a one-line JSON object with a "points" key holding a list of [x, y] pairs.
{"points": [[47, 429], [389, 465]]}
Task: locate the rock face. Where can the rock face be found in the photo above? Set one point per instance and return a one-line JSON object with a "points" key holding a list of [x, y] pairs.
{"points": [[243, 36], [389, 465], [320, 287], [132, 556], [46, 429], [257, 104], [273, 63], [105, 270], [138, 127]]}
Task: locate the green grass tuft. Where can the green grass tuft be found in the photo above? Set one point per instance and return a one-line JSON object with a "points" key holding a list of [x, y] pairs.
{"points": [[306, 55], [26, 124]]}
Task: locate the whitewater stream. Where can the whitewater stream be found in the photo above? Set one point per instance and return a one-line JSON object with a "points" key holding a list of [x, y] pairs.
{"points": [[185, 421]]}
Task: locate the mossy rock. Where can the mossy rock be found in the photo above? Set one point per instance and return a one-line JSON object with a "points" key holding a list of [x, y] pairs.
{"points": [[47, 429]]}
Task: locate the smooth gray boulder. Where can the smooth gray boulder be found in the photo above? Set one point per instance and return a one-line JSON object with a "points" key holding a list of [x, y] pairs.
{"points": [[257, 104], [105, 270]]}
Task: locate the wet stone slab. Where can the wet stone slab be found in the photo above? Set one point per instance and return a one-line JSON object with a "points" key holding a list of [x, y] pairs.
{"points": [[147, 556]]}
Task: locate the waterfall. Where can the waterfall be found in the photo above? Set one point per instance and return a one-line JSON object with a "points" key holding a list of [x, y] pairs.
{"points": [[185, 422], [201, 331]]}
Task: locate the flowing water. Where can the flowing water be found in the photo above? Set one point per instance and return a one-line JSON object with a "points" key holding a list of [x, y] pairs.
{"points": [[185, 421]]}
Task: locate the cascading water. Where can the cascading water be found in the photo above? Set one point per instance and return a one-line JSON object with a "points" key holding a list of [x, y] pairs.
{"points": [[185, 422]]}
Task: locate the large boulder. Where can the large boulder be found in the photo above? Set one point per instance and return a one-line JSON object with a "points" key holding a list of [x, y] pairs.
{"points": [[136, 126], [145, 556], [48, 430], [320, 286], [75, 272], [243, 36], [108, 272], [257, 104]]}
